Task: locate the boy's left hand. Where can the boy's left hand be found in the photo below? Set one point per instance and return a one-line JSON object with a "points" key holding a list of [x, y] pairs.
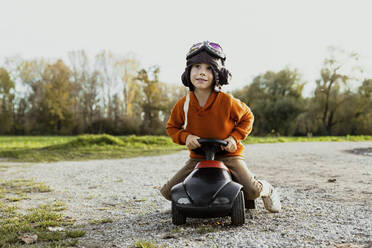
{"points": [[231, 145]]}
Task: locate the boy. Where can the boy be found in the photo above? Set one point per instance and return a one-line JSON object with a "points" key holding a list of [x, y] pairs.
{"points": [[209, 113]]}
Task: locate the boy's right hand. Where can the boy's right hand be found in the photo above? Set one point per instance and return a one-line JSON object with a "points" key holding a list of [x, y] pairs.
{"points": [[192, 141]]}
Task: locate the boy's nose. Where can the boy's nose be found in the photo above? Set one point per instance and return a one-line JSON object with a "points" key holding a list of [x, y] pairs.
{"points": [[202, 71]]}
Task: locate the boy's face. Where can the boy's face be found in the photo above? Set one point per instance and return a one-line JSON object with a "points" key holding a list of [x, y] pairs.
{"points": [[201, 76]]}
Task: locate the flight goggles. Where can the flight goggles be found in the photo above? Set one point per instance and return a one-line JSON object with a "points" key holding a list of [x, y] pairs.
{"points": [[214, 48]]}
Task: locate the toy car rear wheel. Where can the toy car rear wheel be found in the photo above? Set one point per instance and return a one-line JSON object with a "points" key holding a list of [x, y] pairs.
{"points": [[177, 217], [237, 211]]}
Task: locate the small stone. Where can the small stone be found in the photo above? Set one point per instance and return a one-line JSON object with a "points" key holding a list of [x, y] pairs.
{"points": [[28, 238], [56, 229], [169, 236]]}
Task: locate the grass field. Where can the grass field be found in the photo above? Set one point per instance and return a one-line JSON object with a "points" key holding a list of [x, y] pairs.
{"points": [[38, 224], [85, 147]]}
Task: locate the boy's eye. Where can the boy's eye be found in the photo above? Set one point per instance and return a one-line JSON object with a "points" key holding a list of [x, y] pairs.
{"points": [[209, 68], [197, 66]]}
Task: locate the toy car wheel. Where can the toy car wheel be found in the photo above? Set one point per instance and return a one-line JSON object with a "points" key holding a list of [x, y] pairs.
{"points": [[237, 211], [177, 217]]}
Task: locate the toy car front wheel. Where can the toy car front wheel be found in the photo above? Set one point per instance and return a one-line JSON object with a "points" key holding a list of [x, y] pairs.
{"points": [[237, 211], [177, 217]]}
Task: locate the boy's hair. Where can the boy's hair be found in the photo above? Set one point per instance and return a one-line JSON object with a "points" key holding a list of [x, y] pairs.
{"points": [[221, 75]]}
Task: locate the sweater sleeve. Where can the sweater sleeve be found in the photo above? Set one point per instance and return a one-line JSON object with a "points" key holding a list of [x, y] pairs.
{"points": [[243, 117], [175, 123]]}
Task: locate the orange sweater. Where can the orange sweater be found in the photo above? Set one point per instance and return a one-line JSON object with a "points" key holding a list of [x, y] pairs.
{"points": [[222, 116]]}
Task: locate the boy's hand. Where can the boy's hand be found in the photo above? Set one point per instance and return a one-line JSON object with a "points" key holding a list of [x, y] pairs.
{"points": [[231, 145], [192, 141]]}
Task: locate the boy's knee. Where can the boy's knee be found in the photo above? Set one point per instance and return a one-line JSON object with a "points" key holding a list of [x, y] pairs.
{"points": [[165, 192]]}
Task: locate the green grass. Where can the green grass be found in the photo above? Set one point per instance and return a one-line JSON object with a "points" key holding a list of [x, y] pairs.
{"points": [[146, 244], [269, 139], [14, 223], [21, 186], [85, 147], [23, 142], [102, 221]]}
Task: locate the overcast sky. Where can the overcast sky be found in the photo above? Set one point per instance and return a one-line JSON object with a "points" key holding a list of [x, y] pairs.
{"points": [[256, 35]]}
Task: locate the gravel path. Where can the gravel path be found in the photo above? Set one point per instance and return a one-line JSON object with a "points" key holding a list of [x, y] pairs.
{"points": [[326, 193]]}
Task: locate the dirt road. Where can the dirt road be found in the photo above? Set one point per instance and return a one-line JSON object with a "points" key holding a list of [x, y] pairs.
{"points": [[326, 193]]}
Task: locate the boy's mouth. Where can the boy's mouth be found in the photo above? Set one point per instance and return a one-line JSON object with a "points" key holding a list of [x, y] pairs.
{"points": [[202, 79]]}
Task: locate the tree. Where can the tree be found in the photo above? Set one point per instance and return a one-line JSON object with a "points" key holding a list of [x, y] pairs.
{"points": [[30, 72], [152, 102], [21, 121], [333, 88], [57, 101], [85, 82], [276, 101], [29, 77], [129, 67], [110, 79], [7, 87], [363, 109], [117, 110], [89, 100]]}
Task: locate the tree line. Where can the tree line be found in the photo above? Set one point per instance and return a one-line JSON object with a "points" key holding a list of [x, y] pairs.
{"points": [[113, 94], [105, 94]]}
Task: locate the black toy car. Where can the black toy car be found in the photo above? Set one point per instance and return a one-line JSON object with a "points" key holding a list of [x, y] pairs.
{"points": [[209, 190]]}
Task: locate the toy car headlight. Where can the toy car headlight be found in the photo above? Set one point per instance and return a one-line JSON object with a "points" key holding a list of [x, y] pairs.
{"points": [[221, 200], [183, 200]]}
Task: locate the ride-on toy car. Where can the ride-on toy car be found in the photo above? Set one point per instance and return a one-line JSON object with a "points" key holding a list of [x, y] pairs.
{"points": [[209, 190]]}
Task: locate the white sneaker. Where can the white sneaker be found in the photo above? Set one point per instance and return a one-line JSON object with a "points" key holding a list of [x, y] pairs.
{"points": [[270, 197]]}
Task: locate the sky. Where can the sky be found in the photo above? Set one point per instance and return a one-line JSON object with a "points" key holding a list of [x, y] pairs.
{"points": [[256, 36]]}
